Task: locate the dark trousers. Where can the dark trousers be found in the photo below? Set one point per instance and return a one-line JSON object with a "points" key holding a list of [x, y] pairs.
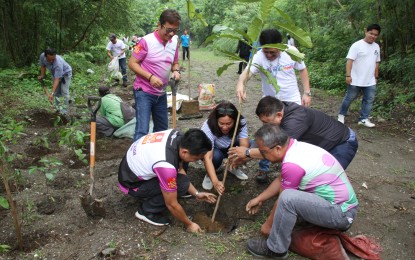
{"points": [[185, 51], [150, 190], [242, 64]]}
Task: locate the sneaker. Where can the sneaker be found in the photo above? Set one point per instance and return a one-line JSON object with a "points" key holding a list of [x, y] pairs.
{"points": [[366, 122], [340, 118], [152, 218], [207, 183], [259, 247], [262, 177], [239, 174], [125, 84]]}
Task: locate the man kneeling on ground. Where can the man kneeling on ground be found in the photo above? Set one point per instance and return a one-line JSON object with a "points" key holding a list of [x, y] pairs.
{"points": [[312, 185], [154, 169]]}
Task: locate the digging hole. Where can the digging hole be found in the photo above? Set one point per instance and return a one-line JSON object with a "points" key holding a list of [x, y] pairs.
{"points": [[205, 223]]}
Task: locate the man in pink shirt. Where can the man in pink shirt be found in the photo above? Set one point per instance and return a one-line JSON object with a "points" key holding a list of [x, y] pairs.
{"points": [[154, 60]]}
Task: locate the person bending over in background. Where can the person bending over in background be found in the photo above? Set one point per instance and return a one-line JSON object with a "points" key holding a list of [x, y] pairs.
{"points": [[61, 73], [111, 115]]}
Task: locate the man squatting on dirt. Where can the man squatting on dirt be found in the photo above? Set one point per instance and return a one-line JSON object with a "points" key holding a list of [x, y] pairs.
{"points": [[154, 169], [312, 185], [307, 125]]}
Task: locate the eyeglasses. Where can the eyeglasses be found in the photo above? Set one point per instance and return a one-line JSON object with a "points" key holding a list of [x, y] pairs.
{"points": [[225, 111], [263, 153], [271, 52], [170, 30]]}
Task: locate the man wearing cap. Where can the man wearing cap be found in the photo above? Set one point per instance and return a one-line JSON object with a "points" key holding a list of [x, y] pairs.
{"points": [[116, 50], [154, 60], [111, 115]]}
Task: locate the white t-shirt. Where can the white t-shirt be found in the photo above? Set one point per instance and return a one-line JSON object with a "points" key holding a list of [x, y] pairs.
{"points": [[364, 56], [116, 48], [283, 69], [291, 42]]}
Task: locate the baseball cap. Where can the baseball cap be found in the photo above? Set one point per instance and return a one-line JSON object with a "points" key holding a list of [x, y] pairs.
{"points": [[112, 36]]}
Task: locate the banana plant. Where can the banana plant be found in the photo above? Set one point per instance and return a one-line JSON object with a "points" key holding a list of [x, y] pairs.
{"points": [[255, 28]]}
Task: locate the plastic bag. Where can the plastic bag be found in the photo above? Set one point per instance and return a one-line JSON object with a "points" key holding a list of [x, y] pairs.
{"points": [[206, 96], [114, 69], [326, 244]]}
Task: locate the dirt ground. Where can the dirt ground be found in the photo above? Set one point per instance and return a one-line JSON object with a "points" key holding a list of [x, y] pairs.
{"points": [[56, 226]]}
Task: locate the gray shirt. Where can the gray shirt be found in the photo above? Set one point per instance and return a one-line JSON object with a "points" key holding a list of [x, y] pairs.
{"points": [[59, 68]]}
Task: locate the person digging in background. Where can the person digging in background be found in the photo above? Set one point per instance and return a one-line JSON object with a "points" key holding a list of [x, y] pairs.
{"points": [[312, 185], [219, 127], [307, 125], [154, 169], [110, 110], [61, 73], [116, 50]]}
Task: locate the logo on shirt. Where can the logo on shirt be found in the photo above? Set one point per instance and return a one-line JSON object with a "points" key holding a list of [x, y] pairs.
{"points": [[376, 52], [153, 138], [137, 48], [171, 183]]}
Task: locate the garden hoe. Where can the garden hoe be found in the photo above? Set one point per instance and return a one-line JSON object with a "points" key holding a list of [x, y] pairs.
{"points": [[173, 86], [93, 207], [45, 89]]}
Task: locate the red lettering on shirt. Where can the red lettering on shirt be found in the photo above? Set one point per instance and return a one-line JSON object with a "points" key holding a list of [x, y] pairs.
{"points": [[171, 183]]}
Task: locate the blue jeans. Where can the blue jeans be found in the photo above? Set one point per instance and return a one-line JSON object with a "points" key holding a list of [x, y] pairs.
{"points": [[63, 91], [146, 105], [220, 154], [367, 100], [123, 66], [345, 152], [310, 207]]}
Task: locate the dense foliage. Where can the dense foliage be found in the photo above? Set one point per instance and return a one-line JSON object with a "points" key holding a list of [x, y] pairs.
{"points": [[82, 26]]}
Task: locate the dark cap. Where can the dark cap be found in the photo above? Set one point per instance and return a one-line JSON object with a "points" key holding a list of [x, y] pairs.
{"points": [[112, 36], [104, 90]]}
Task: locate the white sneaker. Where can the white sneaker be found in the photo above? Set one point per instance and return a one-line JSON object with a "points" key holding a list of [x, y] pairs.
{"points": [[207, 183], [239, 174], [366, 122], [340, 118]]}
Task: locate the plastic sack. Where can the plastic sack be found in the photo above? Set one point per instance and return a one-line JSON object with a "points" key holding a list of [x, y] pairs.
{"points": [[206, 96], [114, 69], [322, 243]]}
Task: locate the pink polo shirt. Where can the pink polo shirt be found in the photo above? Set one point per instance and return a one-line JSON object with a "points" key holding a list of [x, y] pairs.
{"points": [[157, 59]]}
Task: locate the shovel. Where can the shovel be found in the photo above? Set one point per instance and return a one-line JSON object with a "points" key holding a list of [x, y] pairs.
{"points": [[93, 207], [45, 89], [173, 85]]}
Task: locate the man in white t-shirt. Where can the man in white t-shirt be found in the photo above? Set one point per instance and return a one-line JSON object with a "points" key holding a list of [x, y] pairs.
{"points": [[290, 40], [116, 50], [282, 67], [362, 71]]}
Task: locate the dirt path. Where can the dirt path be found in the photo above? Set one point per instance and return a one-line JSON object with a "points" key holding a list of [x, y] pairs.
{"points": [[56, 227]]}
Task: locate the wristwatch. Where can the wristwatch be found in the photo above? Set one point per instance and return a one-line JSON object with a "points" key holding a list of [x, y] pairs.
{"points": [[308, 93], [248, 153]]}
